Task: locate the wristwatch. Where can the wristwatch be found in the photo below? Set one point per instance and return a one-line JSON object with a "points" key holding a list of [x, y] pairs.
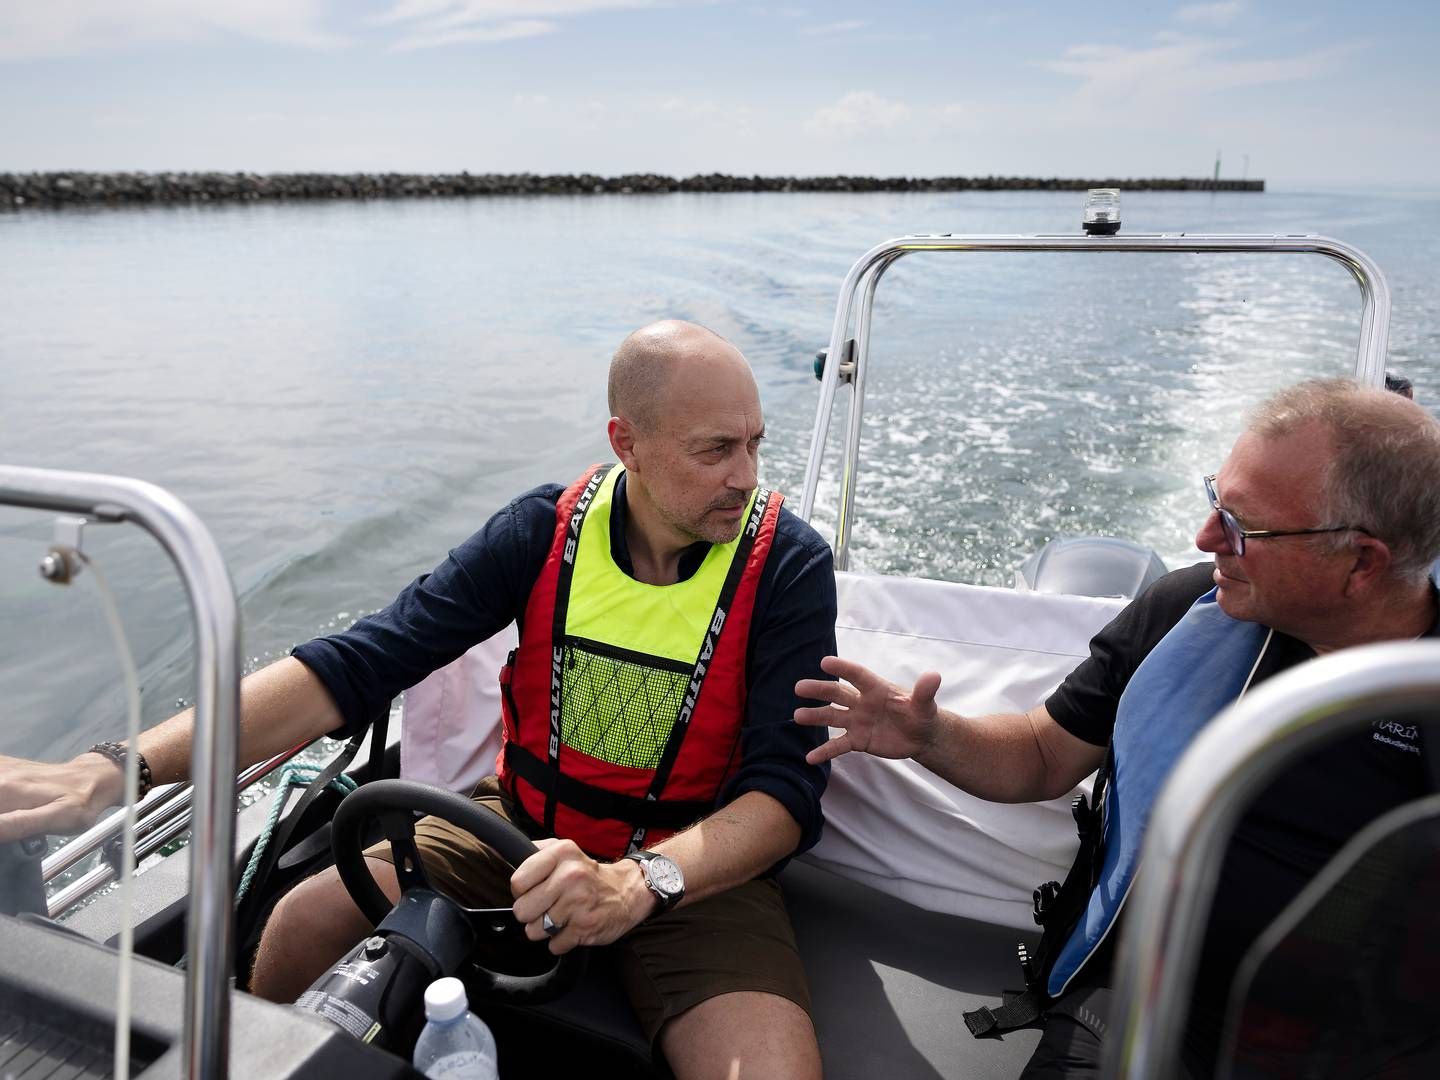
{"points": [[662, 877]]}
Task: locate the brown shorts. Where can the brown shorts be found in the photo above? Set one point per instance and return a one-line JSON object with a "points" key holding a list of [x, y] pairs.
{"points": [[736, 941]]}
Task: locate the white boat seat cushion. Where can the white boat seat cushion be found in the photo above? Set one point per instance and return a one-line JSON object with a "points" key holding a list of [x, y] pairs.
{"points": [[888, 824], [898, 827]]}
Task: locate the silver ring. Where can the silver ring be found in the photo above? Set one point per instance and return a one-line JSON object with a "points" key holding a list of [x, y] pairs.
{"points": [[550, 926]]}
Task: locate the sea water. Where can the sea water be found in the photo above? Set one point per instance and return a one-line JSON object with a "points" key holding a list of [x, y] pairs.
{"points": [[344, 391]]}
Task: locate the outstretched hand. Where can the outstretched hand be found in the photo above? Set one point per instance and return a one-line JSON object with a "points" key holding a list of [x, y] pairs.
{"points": [[874, 716]]}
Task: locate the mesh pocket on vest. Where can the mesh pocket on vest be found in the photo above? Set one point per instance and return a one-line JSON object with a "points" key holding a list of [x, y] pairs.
{"points": [[620, 706]]}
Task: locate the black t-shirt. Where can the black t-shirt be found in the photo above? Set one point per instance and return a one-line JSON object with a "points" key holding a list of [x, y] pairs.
{"points": [[1294, 826]]}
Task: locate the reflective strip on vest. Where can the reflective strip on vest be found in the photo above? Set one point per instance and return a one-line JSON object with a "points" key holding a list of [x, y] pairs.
{"points": [[1202, 665]]}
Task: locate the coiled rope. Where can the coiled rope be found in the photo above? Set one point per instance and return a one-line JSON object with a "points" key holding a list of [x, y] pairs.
{"points": [[291, 776]]}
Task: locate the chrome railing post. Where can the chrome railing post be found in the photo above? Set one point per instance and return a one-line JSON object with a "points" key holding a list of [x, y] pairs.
{"points": [[1222, 772], [217, 708], [863, 321], [830, 378]]}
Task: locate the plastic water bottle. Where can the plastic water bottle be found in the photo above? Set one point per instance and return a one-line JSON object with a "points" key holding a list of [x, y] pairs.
{"points": [[455, 1043]]}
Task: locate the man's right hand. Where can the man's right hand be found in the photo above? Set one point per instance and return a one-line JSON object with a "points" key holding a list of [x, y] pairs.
{"points": [[875, 716], [37, 799]]}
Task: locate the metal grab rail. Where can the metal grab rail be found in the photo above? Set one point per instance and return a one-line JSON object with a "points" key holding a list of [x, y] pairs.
{"points": [[163, 815], [217, 707], [155, 806], [1229, 763], [857, 299]]}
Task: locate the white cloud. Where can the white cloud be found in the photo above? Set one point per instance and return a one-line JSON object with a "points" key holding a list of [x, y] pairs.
{"points": [[405, 10], [856, 113], [476, 35], [39, 28], [457, 12], [1146, 78], [845, 26], [76, 27], [1219, 14], [426, 24]]}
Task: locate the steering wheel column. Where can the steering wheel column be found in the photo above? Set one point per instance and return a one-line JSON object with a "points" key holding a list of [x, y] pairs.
{"points": [[375, 991]]}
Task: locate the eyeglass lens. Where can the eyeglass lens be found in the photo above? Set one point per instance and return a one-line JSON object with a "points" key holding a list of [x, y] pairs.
{"points": [[1234, 535]]}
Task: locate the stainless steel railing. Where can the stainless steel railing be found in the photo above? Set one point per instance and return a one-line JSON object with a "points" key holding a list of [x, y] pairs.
{"points": [[162, 816], [857, 300], [1229, 763], [217, 706]]}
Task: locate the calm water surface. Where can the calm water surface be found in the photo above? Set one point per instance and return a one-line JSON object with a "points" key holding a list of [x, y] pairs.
{"points": [[342, 392]]}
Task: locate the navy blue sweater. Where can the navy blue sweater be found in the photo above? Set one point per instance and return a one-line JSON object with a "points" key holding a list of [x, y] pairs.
{"points": [[485, 583]]}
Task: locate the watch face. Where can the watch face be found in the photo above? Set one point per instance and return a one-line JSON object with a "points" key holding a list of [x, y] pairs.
{"points": [[666, 876]]}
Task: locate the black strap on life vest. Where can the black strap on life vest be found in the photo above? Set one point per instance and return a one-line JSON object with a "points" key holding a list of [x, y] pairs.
{"points": [[1058, 908], [1018, 1008], [708, 645], [598, 802], [578, 514]]}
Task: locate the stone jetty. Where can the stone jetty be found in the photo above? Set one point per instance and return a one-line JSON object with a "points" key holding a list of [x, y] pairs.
{"points": [[121, 189]]}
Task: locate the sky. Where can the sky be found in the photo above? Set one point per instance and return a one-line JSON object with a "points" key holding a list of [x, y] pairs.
{"points": [[1299, 92]]}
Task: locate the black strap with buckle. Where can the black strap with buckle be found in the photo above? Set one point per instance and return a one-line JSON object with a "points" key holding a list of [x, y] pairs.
{"points": [[1057, 908]]}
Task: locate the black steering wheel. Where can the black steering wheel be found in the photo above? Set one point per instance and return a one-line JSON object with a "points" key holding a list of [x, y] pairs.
{"points": [[395, 804]]}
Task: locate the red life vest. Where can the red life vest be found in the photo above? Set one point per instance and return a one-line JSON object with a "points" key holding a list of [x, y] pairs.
{"points": [[614, 747]]}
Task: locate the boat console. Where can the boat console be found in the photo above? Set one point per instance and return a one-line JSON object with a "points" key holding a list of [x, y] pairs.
{"points": [[58, 1014]]}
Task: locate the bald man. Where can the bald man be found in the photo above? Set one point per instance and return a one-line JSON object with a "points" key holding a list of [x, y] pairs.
{"points": [[652, 762]]}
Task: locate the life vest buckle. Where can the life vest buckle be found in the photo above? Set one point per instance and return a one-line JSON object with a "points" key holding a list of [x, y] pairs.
{"points": [[1027, 962], [1087, 818], [1044, 898]]}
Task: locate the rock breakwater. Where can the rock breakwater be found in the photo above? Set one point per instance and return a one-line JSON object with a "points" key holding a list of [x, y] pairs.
{"points": [[119, 189]]}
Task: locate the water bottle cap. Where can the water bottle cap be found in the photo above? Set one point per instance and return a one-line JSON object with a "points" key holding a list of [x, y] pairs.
{"points": [[445, 999]]}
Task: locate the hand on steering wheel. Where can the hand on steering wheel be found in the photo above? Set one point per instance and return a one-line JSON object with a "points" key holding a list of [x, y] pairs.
{"points": [[395, 803]]}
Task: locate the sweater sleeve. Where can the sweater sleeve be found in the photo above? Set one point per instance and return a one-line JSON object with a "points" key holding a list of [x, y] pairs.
{"points": [[793, 628], [479, 588]]}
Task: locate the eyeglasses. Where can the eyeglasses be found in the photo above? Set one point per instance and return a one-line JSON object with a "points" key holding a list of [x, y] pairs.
{"points": [[1235, 536]]}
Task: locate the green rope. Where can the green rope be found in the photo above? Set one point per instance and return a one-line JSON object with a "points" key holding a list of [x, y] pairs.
{"points": [[296, 775]]}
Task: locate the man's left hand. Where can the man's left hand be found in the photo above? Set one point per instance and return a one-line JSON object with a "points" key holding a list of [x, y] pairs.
{"points": [[593, 903]]}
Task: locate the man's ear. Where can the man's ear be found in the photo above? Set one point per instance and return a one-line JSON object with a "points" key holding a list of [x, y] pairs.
{"points": [[622, 440], [1371, 561]]}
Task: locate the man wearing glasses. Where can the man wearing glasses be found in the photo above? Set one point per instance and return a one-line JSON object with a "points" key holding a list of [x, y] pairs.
{"points": [[1324, 523]]}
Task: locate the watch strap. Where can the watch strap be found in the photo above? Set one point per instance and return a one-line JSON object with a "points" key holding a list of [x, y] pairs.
{"points": [[667, 901], [117, 752]]}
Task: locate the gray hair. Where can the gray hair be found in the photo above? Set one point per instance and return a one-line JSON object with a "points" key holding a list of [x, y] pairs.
{"points": [[1384, 475]]}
